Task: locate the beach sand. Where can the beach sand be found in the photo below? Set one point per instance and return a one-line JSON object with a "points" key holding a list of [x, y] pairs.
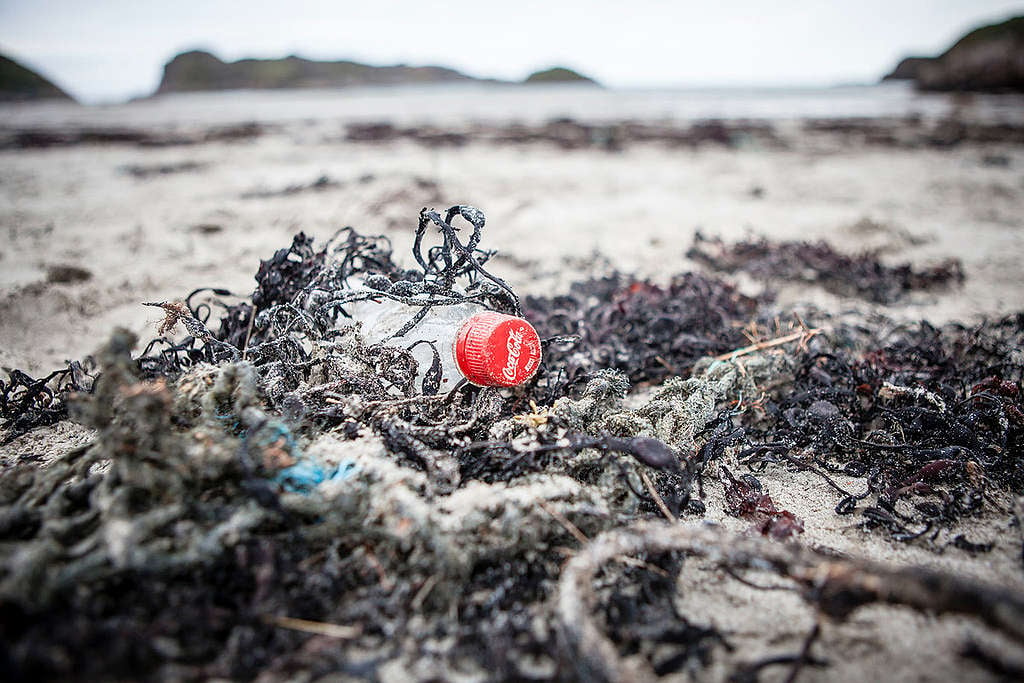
{"points": [[548, 211], [555, 216]]}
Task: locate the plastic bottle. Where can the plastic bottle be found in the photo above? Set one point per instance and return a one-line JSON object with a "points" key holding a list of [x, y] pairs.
{"points": [[483, 346]]}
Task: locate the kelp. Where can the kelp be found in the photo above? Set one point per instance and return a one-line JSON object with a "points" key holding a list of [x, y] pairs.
{"points": [[268, 495]]}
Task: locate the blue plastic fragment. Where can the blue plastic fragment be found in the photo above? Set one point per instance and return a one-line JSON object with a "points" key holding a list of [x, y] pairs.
{"points": [[345, 469], [307, 473], [302, 477]]}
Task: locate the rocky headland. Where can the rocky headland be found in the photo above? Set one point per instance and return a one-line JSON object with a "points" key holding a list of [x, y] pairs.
{"points": [[18, 83], [197, 71], [988, 59], [200, 71], [908, 68]]}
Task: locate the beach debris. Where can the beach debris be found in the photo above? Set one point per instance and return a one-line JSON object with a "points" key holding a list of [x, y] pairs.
{"points": [[34, 138], [145, 171], [66, 274], [836, 586], [272, 479], [863, 276], [451, 343], [323, 182], [746, 498], [207, 228]]}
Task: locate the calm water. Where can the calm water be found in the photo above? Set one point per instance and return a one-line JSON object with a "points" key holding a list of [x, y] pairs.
{"points": [[453, 104]]}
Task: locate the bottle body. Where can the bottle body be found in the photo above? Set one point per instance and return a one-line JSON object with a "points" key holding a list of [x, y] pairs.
{"points": [[471, 341], [383, 318]]}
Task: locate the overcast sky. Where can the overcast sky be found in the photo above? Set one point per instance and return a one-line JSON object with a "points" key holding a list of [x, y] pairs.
{"points": [[103, 50]]}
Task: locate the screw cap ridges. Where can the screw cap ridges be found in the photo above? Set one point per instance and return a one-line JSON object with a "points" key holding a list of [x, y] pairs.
{"points": [[497, 350]]}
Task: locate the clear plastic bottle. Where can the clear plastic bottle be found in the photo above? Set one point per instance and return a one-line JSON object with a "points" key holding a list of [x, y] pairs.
{"points": [[474, 343]]}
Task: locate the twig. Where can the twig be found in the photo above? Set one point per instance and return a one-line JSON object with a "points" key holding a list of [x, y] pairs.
{"points": [[319, 628], [573, 530], [665, 364], [803, 335], [657, 497], [421, 594], [248, 333], [333, 398]]}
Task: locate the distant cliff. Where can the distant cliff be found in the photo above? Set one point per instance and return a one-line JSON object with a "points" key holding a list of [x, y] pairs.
{"points": [[908, 69], [19, 83], [197, 71], [558, 74], [990, 58]]}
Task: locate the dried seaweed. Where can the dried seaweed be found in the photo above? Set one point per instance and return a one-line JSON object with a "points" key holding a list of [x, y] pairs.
{"points": [[27, 402], [647, 331], [323, 182], [572, 134], [837, 587], [863, 276], [64, 273], [271, 496], [146, 171], [932, 420], [745, 497], [34, 138]]}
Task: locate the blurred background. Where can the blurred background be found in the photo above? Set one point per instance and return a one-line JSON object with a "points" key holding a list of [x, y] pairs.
{"points": [[113, 50], [147, 149]]}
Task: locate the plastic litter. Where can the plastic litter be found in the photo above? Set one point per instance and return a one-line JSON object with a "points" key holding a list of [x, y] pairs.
{"points": [[452, 343], [307, 473]]}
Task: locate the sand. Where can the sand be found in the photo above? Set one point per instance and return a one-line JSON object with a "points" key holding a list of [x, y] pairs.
{"points": [[555, 216], [159, 237]]}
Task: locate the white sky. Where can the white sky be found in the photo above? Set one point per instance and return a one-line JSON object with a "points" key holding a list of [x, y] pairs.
{"points": [[103, 50]]}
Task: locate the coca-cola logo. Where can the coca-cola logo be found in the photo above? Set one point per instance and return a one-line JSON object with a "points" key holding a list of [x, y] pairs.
{"points": [[514, 346]]}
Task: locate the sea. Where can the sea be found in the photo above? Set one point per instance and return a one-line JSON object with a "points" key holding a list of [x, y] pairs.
{"points": [[483, 103]]}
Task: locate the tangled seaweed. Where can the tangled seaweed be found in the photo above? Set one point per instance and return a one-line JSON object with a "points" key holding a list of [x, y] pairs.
{"points": [[837, 586], [862, 276], [270, 496], [27, 403], [647, 331], [933, 420]]}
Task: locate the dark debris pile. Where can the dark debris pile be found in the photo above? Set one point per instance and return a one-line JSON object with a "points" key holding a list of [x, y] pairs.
{"points": [[572, 134], [35, 138], [27, 402], [932, 418], [267, 496], [862, 276], [648, 332]]}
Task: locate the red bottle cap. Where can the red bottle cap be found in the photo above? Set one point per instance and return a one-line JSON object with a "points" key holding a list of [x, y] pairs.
{"points": [[497, 350]]}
